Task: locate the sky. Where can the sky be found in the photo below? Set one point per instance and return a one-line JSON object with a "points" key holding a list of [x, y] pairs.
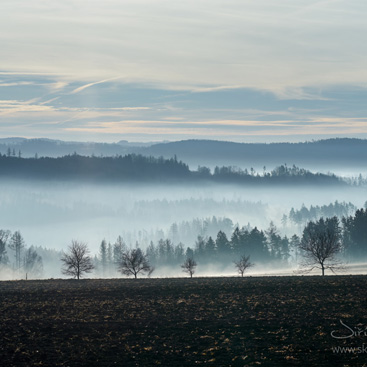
{"points": [[154, 70]]}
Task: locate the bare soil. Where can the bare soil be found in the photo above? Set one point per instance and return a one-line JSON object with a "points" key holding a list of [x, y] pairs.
{"points": [[268, 321]]}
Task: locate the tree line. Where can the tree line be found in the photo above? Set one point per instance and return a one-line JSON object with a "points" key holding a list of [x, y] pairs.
{"points": [[330, 240], [324, 244], [304, 215], [321, 247], [133, 167], [24, 260]]}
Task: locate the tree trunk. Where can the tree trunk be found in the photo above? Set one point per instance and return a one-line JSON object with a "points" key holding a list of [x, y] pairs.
{"points": [[323, 270]]}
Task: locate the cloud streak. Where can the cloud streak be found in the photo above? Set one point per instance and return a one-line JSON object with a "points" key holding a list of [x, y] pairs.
{"points": [[83, 87], [52, 106], [221, 129]]}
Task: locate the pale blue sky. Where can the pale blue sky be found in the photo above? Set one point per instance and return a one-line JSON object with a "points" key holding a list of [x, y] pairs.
{"points": [[153, 70]]}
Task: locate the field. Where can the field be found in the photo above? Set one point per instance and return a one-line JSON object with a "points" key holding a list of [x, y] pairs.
{"points": [[268, 321]]}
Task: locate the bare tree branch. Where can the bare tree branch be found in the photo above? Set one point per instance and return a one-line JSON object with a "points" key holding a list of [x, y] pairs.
{"points": [[77, 261], [189, 266], [243, 264], [320, 246], [134, 262]]}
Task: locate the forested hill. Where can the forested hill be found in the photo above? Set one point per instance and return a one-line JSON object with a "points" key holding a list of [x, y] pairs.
{"points": [[333, 153], [130, 167], [138, 168], [323, 155], [59, 148]]}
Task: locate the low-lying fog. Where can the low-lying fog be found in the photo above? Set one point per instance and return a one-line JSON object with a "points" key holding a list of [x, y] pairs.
{"points": [[52, 214]]}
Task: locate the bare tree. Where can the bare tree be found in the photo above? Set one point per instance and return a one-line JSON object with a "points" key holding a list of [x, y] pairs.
{"points": [[321, 245], [189, 266], [103, 256], [77, 260], [4, 235], [119, 248], [17, 244], [33, 264], [243, 264], [134, 262]]}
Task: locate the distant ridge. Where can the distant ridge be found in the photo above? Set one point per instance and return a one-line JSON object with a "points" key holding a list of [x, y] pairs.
{"points": [[334, 152], [328, 154], [58, 148], [142, 169], [8, 141]]}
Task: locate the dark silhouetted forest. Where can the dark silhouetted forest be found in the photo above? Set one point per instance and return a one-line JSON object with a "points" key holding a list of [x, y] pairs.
{"points": [[137, 168], [304, 215], [328, 152]]}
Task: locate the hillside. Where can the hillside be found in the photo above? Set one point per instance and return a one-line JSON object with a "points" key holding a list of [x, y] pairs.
{"points": [[316, 154], [138, 168], [325, 155], [59, 148]]}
